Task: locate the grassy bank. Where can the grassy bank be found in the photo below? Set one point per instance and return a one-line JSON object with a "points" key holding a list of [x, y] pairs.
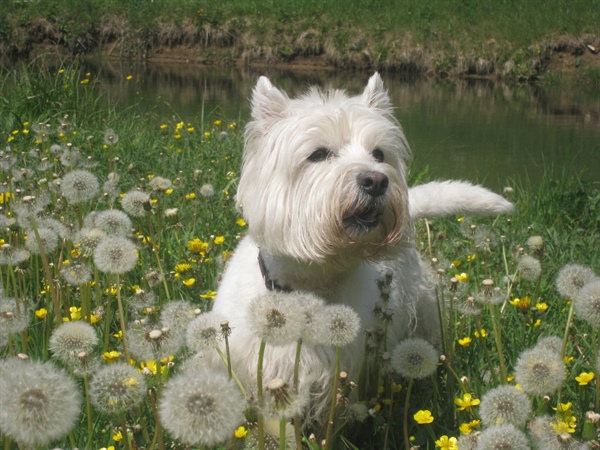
{"points": [[519, 40], [185, 229]]}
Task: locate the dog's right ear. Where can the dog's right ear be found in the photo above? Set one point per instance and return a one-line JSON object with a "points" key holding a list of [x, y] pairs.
{"points": [[268, 102]]}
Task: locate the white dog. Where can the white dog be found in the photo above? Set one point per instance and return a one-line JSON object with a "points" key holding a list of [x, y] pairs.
{"points": [[323, 190]]}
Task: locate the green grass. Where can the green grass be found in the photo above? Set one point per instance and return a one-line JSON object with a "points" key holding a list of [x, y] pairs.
{"points": [[443, 37], [564, 212]]}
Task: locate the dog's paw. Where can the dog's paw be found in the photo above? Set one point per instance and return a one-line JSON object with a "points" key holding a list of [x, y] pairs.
{"points": [[443, 198]]}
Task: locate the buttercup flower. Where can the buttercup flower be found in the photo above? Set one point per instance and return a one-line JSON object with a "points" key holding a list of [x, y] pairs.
{"points": [[447, 443], [201, 408], [423, 417], [584, 378], [466, 403], [415, 358]]}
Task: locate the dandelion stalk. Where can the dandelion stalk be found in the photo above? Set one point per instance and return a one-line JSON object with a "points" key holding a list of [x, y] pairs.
{"points": [[259, 395], [125, 434], [498, 341], [46, 265], [333, 404], [563, 351], [88, 405], [233, 374], [122, 319], [297, 419], [405, 418]]}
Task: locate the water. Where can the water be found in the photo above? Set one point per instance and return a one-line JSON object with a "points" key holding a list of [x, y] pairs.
{"points": [[477, 130]]}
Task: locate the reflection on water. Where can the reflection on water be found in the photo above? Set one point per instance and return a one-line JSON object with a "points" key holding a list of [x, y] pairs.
{"points": [[471, 129]]}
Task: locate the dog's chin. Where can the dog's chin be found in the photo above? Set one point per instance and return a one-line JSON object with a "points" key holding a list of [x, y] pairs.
{"points": [[363, 222]]}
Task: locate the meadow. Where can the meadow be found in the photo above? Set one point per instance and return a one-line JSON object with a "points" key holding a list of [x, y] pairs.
{"points": [[116, 224]]}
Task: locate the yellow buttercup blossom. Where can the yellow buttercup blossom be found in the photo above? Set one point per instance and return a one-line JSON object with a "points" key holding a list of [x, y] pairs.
{"points": [[118, 335], [564, 427], [584, 378], [467, 427], [541, 306], [117, 437], [447, 443], [465, 341], [240, 432], [41, 313], [197, 245], [219, 240], [423, 417], [462, 276], [240, 222], [111, 356], [465, 403], [481, 333], [209, 294], [75, 313], [189, 282], [190, 196], [150, 365]]}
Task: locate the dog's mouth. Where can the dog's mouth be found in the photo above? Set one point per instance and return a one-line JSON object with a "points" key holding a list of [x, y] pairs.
{"points": [[364, 220]]}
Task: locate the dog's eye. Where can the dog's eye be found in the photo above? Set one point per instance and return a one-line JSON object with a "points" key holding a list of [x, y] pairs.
{"points": [[320, 154], [378, 155]]}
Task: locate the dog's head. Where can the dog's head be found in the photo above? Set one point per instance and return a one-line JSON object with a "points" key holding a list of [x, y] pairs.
{"points": [[323, 176]]}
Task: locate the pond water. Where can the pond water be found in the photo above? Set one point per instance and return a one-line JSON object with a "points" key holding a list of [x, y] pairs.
{"points": [[477, 130]]}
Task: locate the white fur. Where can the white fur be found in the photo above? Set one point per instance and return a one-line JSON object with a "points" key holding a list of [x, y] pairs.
{"points": [[296, 211]]}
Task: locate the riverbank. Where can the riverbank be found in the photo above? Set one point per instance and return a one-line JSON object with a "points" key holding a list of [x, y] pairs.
{"points": [[539, 41]]}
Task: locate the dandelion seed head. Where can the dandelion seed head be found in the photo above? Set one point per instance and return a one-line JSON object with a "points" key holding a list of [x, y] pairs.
{"points": [[539, 371], [79, 186], [587, 303], [13, 319], [110, 137], [535, 243], [505, 404], [153, 341], [343, 325], [160, 184], [571, 278], [88, 238], [76, 273], [135, 203], [70, 339], [13, 256], [48, 241], [207, 190], [116, 255], [177, 315], [529, 268], [415, 358], [551, 343], [40, 403], [502, 437], [116, 388], [113, 222], [201, 407], [275, 318], [204, 331]]}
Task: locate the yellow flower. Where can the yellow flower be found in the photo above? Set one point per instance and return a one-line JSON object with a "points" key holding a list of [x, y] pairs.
{"points": [[209, 294], [111, 356], [563, 407], [119, 335], [569, 359], [189, 282], [584, 378], [460, 219], [219, 240], [564, 427], [481, 333], [190, 129], [241, 222], [94, 318], [240, 432], [75, 313], [117, 437], [190, 196], [207, 134], [110, 447], [217, 122], [456, 263], [183, 267], [163, 126], [41, 313], [465, 341], [150, 365], [197, 245], [465, 403], [467, 427], [447, 443], [85, 81], [396, 387], [423, 417], [129, 77], [462, 276], [169, 191], [521, 303], [541, 306], [471, 257]]}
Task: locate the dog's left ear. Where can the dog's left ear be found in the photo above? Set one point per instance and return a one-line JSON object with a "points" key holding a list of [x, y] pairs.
{"points": [[375, 95], [268, 102]]}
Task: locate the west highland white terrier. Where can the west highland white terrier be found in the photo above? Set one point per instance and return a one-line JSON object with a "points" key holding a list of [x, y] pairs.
{"points": [[323, 189]]}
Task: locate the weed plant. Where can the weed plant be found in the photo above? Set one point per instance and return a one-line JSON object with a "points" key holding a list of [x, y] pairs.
{"points": [[115, 227]]}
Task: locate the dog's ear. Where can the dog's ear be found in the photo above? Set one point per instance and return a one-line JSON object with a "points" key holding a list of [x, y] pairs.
{"points": [[268, 102], [375, 95]]}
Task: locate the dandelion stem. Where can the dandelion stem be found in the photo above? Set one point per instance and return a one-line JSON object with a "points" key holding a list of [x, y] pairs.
{"points": [[125, 434], [282, 440], [88, 406], [46, 265], [389, 421], [297, 428], [567, 330], [235, 377], [122, 320], [336, 375], [405, 418], [259, 396], [158, 426], [499, 347]]}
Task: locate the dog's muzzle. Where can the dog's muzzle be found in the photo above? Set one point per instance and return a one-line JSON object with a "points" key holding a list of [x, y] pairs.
{"points": [[364, 217]]}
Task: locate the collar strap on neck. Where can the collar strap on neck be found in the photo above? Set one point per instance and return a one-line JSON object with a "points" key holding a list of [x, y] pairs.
{"points": [[270, 284]]}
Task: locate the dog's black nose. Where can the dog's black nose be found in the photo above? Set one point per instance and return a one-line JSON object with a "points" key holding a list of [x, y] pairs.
{"points": [[373, 183]]}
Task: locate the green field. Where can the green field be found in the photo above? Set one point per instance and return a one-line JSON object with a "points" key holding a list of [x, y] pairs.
{"points": [[509, 39], [53, 124]]}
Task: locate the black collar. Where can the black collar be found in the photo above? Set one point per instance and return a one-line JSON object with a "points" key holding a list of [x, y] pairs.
{"points": [[270, 284]]}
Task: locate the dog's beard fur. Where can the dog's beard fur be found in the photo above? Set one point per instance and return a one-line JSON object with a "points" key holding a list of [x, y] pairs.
{"points": [[316, 212]]}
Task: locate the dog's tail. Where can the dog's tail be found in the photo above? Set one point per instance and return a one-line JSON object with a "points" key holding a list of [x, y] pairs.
{"points": [[442, 198]]}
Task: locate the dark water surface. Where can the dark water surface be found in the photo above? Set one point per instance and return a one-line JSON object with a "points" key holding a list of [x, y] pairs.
{"points": [[478, 130]]}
